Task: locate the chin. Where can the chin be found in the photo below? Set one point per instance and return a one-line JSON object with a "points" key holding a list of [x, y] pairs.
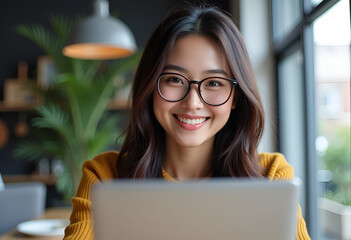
{"points": [[190, 144]]}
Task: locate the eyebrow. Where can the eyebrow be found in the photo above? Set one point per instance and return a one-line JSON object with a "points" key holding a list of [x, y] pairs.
{"points": [[181, 69]]}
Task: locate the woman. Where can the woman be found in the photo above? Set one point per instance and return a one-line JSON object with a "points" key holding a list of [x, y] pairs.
{"points": [[196, 113]]}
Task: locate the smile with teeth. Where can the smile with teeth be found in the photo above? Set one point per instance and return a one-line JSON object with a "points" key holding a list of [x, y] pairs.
{"points": [[191, 121]]}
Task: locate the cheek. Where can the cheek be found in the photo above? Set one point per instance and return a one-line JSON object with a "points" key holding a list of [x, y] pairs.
{"points": [[223, 113]]}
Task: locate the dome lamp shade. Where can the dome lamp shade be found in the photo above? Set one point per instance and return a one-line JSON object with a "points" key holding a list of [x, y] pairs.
{"points": [[100, 36]]}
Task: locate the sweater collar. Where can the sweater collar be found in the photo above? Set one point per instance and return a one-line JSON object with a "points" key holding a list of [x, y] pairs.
{"points": [[168, 177]]}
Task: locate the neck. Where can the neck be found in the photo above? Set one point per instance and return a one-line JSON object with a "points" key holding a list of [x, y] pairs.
{"points": [[184, 163]]}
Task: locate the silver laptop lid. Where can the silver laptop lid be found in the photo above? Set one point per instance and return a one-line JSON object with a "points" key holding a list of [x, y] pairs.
{"points": [[213, 209]]}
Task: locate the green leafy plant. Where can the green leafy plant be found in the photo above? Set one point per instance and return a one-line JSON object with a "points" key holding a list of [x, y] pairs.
{"points": [[337, 159], [72, 122]]}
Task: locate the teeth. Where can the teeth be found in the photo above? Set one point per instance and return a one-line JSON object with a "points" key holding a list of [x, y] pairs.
{"points": [[191, 121]]}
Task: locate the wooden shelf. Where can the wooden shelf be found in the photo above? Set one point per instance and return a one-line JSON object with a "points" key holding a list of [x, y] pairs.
{"points": [[47, 179], [24, 107]]}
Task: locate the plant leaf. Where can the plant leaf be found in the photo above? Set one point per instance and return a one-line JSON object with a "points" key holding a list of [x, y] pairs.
{"points": [[46, 41]]}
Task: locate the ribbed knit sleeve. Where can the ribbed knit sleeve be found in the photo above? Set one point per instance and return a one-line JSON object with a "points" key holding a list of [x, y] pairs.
{"points": [[277, 168], [102, 167]]}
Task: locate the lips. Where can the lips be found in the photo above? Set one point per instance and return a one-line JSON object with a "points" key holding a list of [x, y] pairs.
{"points": [[191, 121]]}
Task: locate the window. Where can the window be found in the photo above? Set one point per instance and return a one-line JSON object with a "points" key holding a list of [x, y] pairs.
{"points": [[331, 32], [311, 41]]}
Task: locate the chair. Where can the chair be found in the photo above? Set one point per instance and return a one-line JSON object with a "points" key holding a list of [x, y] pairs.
{"points": [[20, 202]]}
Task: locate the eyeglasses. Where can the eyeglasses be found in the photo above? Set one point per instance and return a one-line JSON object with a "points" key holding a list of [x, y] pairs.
{"points": [[214, 91]]}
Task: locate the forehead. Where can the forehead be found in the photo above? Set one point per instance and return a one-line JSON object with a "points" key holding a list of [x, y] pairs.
{"points": [[197, 53]]}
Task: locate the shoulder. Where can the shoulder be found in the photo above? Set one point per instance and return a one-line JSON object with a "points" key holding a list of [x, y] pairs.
{"points": [[275, 166], [103, 166]]}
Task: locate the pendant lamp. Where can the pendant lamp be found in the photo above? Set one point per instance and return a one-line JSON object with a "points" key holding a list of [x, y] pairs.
{"points": [[100, 36]]}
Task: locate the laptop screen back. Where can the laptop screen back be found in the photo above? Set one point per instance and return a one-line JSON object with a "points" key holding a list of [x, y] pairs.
{"points": [[213, 209]]}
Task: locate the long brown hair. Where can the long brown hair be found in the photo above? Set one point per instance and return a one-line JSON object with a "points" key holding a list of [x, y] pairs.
{"points": [[235, 147]]}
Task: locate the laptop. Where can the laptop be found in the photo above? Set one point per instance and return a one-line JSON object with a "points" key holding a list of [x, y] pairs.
{"points": [[227, 208]]}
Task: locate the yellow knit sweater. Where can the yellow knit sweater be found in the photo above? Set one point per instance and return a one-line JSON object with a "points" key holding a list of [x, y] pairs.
{"points": [[103, 167]]}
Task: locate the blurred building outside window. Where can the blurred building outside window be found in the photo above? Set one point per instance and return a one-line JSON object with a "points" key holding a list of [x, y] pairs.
{"points": [[331, 32], [332, 77]]}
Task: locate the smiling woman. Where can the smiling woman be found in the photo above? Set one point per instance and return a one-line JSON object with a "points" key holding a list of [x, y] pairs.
{"points": [[197, 44], [196, 113]]}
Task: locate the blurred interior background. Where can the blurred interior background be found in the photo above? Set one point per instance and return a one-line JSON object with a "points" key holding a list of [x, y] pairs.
{"points": [[300, 51]]}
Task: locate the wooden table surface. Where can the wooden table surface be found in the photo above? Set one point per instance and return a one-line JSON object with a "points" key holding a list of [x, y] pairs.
{"points": [[50, 213]]}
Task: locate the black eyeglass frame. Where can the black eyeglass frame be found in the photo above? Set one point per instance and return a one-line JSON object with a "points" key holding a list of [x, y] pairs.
{"points": [[232, 81]]}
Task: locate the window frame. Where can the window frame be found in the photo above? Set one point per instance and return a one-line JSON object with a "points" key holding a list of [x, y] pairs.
{"points": [[301, 37]]}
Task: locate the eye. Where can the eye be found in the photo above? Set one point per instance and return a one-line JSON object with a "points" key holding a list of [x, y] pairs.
{"points": [[214, 83], [175, 80]]}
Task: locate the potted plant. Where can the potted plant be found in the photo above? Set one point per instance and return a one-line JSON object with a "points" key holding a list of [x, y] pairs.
{"points": [[72, 122], [336, 206]]}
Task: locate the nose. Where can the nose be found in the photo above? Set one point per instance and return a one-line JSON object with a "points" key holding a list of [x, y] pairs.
{"points": [[193, 99]]}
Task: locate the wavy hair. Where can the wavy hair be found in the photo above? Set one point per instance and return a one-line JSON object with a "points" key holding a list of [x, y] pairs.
{"points": [[235, 146]]}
